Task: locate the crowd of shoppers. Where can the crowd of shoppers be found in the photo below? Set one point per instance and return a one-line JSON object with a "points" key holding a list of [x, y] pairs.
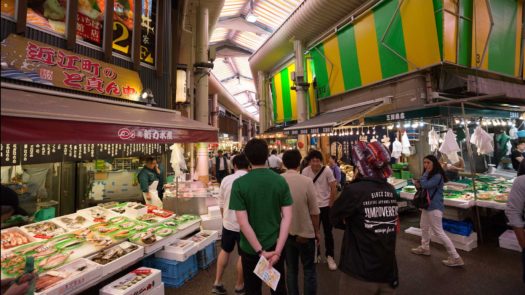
{"points": [[279, 217]]}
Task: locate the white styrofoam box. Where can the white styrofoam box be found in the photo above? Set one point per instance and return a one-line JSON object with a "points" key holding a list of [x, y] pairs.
{"points": [[70, 228], [88, 212], [159, 244], [459, 203], [180, 250], [57, 232], [144, 287], [214, 211], [211, 223], [159, 290], [16, 229], [491, 204], [508, 240], [407, 196], [122, 262], [74, 283], [203, 238], [187, 228], [460, 242]]}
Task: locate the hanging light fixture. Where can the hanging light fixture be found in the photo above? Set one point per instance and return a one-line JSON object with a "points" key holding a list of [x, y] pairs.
{"points": [[250, 17]]}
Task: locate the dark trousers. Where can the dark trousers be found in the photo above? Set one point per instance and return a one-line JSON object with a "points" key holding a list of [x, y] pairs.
{"points": [[252, 283], [221, 174], [523, 263], [327, 229], [306, 252]]}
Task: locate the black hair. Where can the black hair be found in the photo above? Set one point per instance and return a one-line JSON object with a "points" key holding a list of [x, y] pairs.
{"points": [[521, 169], [240, 162], [436, 168], [256, 150], [315, 155], [274, 152], [292, 159], [219, 152], [150, 159]]}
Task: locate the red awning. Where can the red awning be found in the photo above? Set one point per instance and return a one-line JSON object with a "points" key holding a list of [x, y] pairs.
{"points": [[30, 117]]}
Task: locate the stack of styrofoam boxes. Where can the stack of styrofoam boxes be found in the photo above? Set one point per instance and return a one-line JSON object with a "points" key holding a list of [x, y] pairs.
{"points": [[465, 243], [212, 220], [509, 241], [149, 285], [205, 242], [177, 261]]}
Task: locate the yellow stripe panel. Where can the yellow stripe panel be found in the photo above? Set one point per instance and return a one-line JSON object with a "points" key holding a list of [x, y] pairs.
{"points": [[293, 93], [480, 33], [367, 50], [311, 90], [450, 31], [419, 30], [518, 38], [333, 66], [279, 97]]}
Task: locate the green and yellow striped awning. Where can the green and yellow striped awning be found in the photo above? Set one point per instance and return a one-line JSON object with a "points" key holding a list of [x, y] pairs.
{"points": [[285, 99]]}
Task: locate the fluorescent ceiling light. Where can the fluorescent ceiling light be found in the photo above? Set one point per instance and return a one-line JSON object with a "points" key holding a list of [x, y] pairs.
{"points": [[251, 18]]}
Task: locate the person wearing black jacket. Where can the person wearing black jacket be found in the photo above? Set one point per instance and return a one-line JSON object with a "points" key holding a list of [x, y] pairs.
{"points": [[367, 212]]}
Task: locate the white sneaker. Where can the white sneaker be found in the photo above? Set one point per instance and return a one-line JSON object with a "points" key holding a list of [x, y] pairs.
{"points": [[331, 263]]}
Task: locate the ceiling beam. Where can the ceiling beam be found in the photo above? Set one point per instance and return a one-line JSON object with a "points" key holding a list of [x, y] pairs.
{"points": [[256, 27], [229, 44], [235, 77]]}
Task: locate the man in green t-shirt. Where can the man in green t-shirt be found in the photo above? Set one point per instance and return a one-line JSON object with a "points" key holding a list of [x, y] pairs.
{"points": [[262, 202]]}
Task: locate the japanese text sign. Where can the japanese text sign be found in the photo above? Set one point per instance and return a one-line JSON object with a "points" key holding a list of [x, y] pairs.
{"points": [[29, 60]]}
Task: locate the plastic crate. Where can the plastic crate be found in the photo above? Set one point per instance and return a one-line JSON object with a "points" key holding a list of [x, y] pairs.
{"points": [[463, 228], [406, 175], [206, 256], [174, 273]]}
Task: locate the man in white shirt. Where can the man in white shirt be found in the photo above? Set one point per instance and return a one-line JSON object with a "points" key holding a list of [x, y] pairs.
{"points": [[230, 227], [326, 186], [274, 162]]}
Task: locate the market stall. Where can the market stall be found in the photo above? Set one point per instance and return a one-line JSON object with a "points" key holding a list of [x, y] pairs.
{"points": [[92, 148]]}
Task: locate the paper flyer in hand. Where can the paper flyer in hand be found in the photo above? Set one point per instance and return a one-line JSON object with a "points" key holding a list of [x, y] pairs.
{"points": [[269, 275]]}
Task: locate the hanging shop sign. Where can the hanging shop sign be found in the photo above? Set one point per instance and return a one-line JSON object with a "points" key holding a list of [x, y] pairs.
{"points": [[16, 154], [305, 131], [40, 63]]}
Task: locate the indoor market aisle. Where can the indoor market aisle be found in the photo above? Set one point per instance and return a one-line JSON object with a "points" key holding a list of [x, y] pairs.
{"points": [[489, 270]]}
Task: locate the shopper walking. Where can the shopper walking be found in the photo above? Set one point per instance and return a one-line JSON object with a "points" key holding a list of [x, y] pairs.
{"points": [[432, 181], [274, 162], [304, 230], [326, 186], [221, 166], [149, 182], [332, 163], [230, 228], [367, 212], [262, 202], [516, 214]]}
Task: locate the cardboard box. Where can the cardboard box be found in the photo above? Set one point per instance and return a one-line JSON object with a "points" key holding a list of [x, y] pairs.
{"points": [[146, 286]]}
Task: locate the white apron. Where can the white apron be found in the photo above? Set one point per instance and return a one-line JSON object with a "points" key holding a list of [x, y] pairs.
{"points": [[155, 200]]}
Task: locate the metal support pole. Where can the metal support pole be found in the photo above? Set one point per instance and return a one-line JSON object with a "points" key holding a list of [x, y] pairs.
{"points": [[239, 136], [300, 80], [201, 84], [263, 101], [215, 110], [472, 172], [201, 74], [249, 129]]}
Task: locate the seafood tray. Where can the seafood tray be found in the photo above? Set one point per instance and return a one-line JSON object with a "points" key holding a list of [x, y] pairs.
{"points": [[118, 257], [71, 278], [203, 238], [150, 218], [143, 278], [130, 209], [43, 230], [163, 213], [97, 214], [180, 250], [14, 237], [153, 238], [74, 221]]}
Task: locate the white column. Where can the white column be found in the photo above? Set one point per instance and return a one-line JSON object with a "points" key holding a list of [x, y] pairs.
{"points": [[263, 108]]}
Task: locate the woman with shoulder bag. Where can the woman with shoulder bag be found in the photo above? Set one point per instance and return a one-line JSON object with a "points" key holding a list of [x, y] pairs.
{"points": [[432, 181]]}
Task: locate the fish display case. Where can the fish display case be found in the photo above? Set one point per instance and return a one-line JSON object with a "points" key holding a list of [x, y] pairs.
{"points": [[116, 258], [142, 278]]}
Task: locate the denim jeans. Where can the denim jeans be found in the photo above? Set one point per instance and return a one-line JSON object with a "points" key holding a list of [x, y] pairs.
{"points": [[327, 231], [305, 252]]}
